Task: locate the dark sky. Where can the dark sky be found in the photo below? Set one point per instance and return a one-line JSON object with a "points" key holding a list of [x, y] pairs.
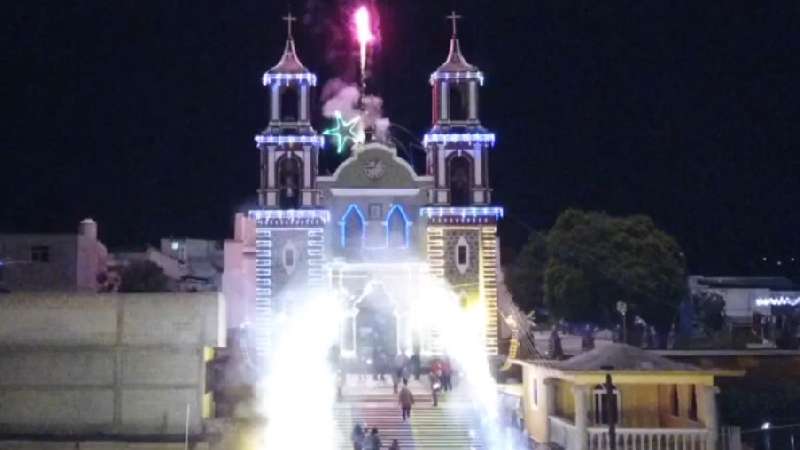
{"points": [[142, 113]]}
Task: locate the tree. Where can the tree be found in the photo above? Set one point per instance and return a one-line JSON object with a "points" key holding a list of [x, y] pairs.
{"points": [[595, 260], [526, 275], [143, 276], [710, 311]]}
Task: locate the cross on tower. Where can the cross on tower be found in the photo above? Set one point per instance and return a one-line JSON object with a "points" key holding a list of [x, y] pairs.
{"points": [[454, 17], [289, 18]]}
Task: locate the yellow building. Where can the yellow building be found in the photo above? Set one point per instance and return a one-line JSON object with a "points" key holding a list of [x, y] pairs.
{"points": [[661, 404]]}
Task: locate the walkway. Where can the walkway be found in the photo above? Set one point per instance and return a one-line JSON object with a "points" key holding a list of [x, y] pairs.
{"points": [[450, 425]]}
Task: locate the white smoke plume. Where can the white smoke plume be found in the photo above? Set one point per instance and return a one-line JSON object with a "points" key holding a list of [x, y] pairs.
{"points": [[337, 95]]}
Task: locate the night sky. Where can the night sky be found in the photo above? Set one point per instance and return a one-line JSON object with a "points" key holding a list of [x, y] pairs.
{"points": [[141, 114]]}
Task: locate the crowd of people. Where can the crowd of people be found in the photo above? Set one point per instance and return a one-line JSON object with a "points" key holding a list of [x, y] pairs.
{"points": [[400, 369]]}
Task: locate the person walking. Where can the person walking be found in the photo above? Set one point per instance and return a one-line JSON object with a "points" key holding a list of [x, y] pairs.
{"points": [[406, 400], [416, 365], [446, 374], [436, 385], [373, 441], [357, 436], [395, 445]]}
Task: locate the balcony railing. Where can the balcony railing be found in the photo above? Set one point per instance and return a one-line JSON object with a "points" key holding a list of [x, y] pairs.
{"points": [[649, 439], [563, 433]]}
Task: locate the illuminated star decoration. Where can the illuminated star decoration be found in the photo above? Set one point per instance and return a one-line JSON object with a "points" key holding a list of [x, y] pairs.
{"points": [[343, 131]]}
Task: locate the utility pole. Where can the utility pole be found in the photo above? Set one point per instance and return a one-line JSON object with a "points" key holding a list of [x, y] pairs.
{"points": [[611, 412]]}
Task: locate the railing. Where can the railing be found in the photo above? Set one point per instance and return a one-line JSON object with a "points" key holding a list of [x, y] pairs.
{"points": [[563, 433], [649, 439]]}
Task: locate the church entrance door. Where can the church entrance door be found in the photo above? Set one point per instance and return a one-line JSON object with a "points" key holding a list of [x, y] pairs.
{"points": [[376, 327]]}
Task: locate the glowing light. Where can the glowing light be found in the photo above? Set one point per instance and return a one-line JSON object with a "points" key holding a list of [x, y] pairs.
{"points": [[463, 211], [778, 301], [344, 131], [299, 375], [266, 214], [363, 33], [477, 75], [287, 78], [398, 209], [351, 209], [445, 138], [312, 139]]}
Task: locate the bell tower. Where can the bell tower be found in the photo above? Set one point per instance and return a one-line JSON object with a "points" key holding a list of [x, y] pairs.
{"points": [[289, 145], [461, 223], [457, 144]]}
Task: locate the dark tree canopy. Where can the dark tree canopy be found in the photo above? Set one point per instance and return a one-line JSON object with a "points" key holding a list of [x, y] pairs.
{"points": [[589, 261], [525, 278], [143, 276]]}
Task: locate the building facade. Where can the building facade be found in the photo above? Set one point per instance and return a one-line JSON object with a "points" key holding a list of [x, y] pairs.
{"points": [[53, 262], [374, 232]]}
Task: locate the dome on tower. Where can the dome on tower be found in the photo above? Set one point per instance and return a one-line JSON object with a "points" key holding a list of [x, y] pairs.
{"points": [[289, 62], [455, 60], [456, 66], [289, 67]]}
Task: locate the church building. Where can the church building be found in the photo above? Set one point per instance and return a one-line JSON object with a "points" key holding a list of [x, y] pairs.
{"points": [[370, 234]]}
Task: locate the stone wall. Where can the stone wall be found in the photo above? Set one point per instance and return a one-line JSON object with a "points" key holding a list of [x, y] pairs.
{"points": [[112, 364]]}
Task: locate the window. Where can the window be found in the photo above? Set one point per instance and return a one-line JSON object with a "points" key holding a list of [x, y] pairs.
{"points": [[459, 101], [375, 211], [40, 253], [693, 403], [289, 169], [535, 392], [459, 170], [288, 257], [601, 413], [462, 255], [353, 228], [290, 104], [397, 228]]}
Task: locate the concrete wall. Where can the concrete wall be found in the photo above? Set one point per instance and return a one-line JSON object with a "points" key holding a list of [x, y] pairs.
{"points": [[116, 364]]}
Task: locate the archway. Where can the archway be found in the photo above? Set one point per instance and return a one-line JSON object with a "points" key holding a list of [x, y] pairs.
{"points": [[289, 169], [459, 169], [376, 325]]}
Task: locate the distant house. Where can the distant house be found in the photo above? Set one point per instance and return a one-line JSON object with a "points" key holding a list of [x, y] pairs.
{"points": [[192, 265], [753, 302], [53, 262], [659, 403]]}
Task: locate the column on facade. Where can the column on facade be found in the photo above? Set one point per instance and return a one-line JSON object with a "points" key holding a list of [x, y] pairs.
{"points": [[548, 405], [709, 405], [473, 100], [444, 97], [581, 395], [275, 100], [303, 103]]}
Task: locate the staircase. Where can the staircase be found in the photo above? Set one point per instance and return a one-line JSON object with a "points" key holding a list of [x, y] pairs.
{"points": [[450, 425]]}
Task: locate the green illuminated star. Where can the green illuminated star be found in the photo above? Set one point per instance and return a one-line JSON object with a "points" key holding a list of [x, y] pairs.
{"points": [[343, 131]]}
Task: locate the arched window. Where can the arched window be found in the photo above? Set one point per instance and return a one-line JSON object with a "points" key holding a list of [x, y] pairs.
{"points": [[459, 170], [290, 104], [458, 99], [353, 227], [289, 170], [397, 227]]}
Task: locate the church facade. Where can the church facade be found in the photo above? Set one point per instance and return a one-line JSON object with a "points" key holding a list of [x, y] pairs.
{"points": [[371, 233]]}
